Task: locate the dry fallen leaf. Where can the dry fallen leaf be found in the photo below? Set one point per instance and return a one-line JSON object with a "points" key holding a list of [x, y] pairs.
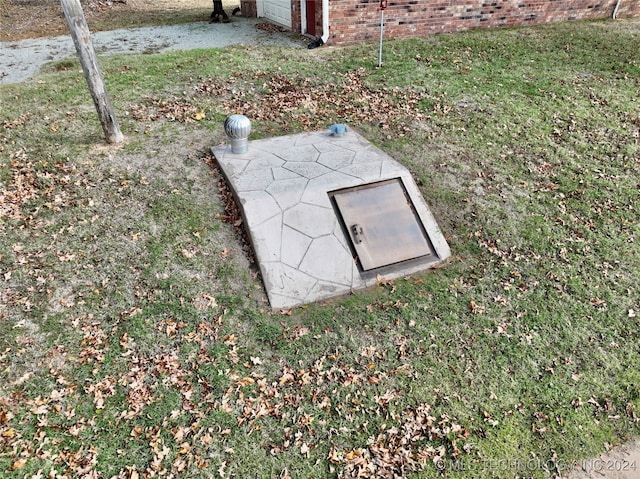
{"points": [[382, 281], [18, 464]]}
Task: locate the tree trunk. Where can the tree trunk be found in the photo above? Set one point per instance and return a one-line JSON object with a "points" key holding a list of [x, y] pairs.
{"points": [[82, 40], [217, 11]]}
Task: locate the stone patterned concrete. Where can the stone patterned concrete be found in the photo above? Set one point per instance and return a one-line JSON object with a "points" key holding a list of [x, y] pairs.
{"points": [[282, 186]]}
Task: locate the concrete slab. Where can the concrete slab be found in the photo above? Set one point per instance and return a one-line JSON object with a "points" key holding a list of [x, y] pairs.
{"points": [[283, 187], [622, 462]]}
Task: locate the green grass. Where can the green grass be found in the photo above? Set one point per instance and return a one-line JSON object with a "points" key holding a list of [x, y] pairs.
{"points": [[136, 336]]}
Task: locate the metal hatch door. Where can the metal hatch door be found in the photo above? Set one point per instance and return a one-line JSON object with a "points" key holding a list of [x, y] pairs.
{"points": [[382, 224]]}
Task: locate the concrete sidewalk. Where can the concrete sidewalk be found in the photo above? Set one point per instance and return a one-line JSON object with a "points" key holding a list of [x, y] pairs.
{"points": [[622, 462], [20, 60]]}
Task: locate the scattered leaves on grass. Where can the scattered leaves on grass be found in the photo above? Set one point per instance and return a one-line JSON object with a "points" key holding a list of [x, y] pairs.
{"points": [[417, 441], [288, 100], [176, 386], [17, 122], [295, 100], [34, 185], [175, 109]]}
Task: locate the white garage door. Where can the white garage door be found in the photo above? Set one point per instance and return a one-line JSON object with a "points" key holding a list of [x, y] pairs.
{"points": [[278, 11]]}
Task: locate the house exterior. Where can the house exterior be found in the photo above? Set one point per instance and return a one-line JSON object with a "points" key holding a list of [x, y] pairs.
{"points": [[344, 22]]}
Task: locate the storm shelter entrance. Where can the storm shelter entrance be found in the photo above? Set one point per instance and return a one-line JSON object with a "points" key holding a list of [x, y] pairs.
{"points": [[328, 215]]}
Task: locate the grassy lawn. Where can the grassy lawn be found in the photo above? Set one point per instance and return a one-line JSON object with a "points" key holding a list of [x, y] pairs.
{"points": [[135, 337]]}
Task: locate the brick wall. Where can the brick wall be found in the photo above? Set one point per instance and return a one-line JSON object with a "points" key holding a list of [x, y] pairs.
{"points": [[296, 13], [248, 8], [354, 21], [318, 18]]}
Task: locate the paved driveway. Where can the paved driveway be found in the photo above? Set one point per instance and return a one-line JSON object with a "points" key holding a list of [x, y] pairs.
{"points": [[22, 59]]}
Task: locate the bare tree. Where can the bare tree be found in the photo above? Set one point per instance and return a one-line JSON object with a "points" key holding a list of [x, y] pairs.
{"points": [[89, 61]]}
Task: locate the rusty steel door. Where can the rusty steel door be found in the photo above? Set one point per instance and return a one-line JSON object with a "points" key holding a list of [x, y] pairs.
{"points": [[382, 224]]}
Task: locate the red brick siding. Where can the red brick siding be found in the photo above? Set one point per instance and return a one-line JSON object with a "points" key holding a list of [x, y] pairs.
{"points": [[319, 18], [296, 13], [248, 8], [354, 21]]}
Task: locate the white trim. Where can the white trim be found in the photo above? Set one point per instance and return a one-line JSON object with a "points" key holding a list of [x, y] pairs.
{"points": [[303, 16], [325, 20]]}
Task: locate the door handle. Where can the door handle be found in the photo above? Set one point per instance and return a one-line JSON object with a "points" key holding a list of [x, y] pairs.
{"points": [[357, 233]]}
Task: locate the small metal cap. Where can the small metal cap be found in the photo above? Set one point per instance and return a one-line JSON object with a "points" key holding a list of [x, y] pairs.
{"points": [[238, 129], [338, 129]]}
